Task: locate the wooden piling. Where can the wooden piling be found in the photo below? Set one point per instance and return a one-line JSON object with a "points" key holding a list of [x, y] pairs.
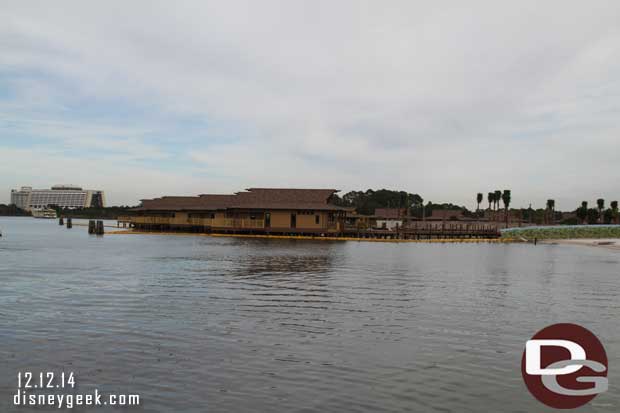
{"points": [[69, 223], [99, 229]]}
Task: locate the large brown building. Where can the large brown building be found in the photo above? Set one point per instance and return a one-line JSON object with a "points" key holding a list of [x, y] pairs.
{"points": [[256, 210]]}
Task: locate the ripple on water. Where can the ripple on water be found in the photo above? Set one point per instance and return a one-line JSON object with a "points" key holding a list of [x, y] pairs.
{"points": [[221, 324]]}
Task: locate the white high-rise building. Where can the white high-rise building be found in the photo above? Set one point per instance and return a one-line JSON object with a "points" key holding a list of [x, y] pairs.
{"points": [[64, 196]]}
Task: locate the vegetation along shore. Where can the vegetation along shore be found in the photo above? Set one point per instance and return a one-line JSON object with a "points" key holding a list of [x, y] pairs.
{"points": [[563, 232]]}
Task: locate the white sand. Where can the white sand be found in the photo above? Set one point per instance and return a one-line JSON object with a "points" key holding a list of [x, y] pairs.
{"points": [[610, 243]]}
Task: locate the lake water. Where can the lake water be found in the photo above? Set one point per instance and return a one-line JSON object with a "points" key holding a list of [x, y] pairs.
{"points": [[195, 324]]}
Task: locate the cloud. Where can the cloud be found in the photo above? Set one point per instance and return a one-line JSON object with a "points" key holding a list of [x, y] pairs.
{"points": [[443, 101]]}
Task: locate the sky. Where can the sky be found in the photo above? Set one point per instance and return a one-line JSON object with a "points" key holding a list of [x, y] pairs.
{"points": [[444, 99]]}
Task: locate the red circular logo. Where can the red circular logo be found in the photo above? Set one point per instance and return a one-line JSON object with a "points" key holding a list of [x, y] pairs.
{"points": [[564, 366]]}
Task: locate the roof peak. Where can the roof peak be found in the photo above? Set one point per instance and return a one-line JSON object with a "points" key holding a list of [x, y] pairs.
{"points": [[292, 189]]}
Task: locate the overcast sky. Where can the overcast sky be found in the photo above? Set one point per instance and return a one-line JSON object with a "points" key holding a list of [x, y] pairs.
{"points": [[444, 99]]}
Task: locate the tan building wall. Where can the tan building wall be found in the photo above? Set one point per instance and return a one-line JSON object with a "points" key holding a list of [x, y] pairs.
{"points": [[242, 220], [280, 219], [309, 221]]}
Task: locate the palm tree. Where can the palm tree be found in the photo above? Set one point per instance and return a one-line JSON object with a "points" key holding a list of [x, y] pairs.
{"points": [[498, 197], [582, 213], [614, 211], [550, 209], [600, 203], [490, 198], [479, 199], [506, 200]]}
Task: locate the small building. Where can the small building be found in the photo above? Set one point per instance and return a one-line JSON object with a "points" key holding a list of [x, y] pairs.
{"points": [[255, 210], [514, 215], [355, 221], [446, 215], [390, 218], [391, 213]]}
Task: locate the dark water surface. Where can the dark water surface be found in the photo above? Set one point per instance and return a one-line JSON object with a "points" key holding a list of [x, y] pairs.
{"points": [[239, 325]]}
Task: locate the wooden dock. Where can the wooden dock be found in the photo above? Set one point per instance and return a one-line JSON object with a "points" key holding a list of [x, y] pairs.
{"points": [[414, 231], [428, 231]]}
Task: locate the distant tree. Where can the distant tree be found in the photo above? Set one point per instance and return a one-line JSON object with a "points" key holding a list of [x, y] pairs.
{"points": [[92, 213], [614, 211], [366, 202], [479, 199], [491, 199], [571, 221], [600, 203], [582, 212], [506, 200], [551, 210], [12, 210], [497, 197], [337, 200], [593, 215], [528, 214]]}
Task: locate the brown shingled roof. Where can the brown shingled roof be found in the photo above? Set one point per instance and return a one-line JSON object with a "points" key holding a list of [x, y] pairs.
{"points": [[283, 198], [252, 198]]}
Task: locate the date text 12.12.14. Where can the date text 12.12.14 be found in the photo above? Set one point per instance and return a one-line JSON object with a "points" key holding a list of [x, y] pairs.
{"points": [[45, 380]]}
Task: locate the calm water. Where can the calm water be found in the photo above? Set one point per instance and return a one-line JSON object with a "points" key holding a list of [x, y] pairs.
{"points": [[238, 325]]}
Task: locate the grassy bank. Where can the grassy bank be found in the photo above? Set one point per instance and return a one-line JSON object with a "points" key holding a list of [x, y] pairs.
{"points": [[564, 232]]}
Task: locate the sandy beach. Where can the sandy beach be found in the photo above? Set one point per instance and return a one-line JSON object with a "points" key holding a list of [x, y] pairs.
{"points": [[609, 243]]}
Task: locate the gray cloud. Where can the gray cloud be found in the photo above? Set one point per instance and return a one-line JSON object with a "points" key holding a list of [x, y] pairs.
{"points": [[445, 100]]}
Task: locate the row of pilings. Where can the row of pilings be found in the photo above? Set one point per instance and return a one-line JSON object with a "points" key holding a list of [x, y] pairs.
{"points": [[94, 227], [61, 221]]}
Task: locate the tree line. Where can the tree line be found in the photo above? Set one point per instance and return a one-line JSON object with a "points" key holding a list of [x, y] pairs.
{"points": [[366, 202], [584, 215], [600, 214], [12, 210], [494, 198]]}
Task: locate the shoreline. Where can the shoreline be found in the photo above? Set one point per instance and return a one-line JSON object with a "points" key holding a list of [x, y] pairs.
{"points": [[607, 243], [312, 238]]}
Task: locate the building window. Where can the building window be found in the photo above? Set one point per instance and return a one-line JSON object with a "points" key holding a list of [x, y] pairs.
{"points": [[317, 219]]}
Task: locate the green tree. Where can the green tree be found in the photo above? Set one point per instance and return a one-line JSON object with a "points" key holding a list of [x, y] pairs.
{"points": [[600, 203], [551, 210], [366, 202], [593, 215], [12, 210], [506, 200], [582, 212], [498, 197], [479, 199], [490, 196], [614, 211]]}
